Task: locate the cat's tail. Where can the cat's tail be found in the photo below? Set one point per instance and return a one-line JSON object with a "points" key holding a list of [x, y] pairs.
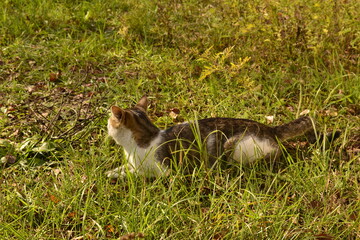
{"points": [[303, 126], [295, 128]]}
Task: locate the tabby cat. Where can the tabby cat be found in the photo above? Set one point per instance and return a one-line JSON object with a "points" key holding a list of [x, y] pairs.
{"points": [[151, 151]]}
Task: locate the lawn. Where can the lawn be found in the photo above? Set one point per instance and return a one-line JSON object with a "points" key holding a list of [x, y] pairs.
{"points": [[63, 64]]}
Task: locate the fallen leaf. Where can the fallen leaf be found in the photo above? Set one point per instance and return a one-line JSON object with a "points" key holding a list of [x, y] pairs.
{"points": [[306, 111], [140, 235], [219, 235], [331, 112], [174, 112], [290, 108], [56, 171], [132, 235], [53, 77], [269, 119], [71, 214], [204, 210], [353, 109], [83, 178], [323, 236], [32, 63], [315, 204], [31, 88], [78, 238], [353, 216], [109, 228], [54, 199], [11, 108], [8, 159]]}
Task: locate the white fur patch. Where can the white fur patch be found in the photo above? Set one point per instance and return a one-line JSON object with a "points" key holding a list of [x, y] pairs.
{"points": [[251, 148], [140, 160]]}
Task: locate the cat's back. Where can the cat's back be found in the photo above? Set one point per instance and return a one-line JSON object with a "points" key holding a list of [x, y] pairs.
{"points": [[217, 134], [227, 126]]}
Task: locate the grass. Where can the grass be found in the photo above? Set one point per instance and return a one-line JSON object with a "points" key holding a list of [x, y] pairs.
{"points": [[64, 63]]}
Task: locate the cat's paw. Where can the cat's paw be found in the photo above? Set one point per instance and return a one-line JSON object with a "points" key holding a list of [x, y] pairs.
{"points": [[120, 172], [115, 173]]}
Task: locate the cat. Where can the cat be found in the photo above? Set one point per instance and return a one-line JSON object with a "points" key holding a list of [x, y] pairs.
{"points": [[152, 152]]}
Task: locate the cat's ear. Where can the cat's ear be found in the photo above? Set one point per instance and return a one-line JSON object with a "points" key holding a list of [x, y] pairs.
{"points": [[117, 112], [143, 103]]}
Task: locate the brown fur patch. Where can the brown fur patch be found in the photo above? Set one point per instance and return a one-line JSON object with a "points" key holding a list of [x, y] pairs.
{"points": [[136, 120], [143, 103], [115, 123]]}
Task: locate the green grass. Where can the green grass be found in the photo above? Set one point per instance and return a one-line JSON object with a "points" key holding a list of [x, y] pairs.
{"points": [[64, 63]]}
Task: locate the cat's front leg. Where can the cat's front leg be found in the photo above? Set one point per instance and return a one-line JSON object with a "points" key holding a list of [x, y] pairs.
{"points": [[120, 172]]}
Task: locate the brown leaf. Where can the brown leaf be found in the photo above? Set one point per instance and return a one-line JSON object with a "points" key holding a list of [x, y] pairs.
{"points": [[54, 199], [90, 94], [323, 236], [11, 108], [315, 204], [140, 235], [353, 109], [159, 114], [204, 210], [290, 108], [8, 159], [219, 235], [56, 171], [109, 228], [30, 88], [353, 216], [53, 77], [174, 112], [132, 235], [71, 214], [173, 115]]}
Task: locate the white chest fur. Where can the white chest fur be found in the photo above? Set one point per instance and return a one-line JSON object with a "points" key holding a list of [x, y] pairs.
{"points": [[140, 160]]}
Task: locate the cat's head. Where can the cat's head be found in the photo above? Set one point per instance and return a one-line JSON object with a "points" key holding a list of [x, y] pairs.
{"points": [[131, 121], [126, 117]]}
